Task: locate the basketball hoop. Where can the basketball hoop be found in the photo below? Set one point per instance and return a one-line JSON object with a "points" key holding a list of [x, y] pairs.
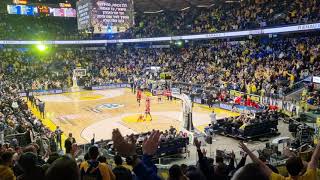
{"points": [[79, 72]]}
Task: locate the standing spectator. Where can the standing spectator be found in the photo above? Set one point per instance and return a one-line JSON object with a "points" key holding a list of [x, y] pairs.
{"points": [[71, 139], [213, 117], [58, 133], [210, 100], [68, 146], [93, 140], [42, 108]]}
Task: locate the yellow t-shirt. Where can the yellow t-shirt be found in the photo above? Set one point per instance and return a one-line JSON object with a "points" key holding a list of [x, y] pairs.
{"points": [[291, 77], [310, 174], [6, 173], [253, 88], [248, 88], [105, 170]]}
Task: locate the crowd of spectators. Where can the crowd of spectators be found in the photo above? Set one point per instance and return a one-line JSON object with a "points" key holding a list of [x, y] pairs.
{"points": [[171, 143], [223, 16], [15, 117], [28, 163], [17, 27], [256, 66], [234, 16], [311, 95], [221, 63]]}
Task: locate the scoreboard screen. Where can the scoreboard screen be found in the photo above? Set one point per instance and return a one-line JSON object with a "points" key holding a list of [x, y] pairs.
{"points": [[22, 10], [41, 10], [63, 12], [20, 2], [84, 14], [105, 16]]}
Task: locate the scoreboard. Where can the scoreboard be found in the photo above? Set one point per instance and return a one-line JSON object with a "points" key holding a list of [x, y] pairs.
{"points": [[41, 10], [22, 10], [63, 12], [105, 16]]}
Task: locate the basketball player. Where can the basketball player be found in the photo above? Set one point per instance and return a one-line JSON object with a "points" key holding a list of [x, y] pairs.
{"points": [[139, 95], [159, 97], [148, 108], [140, 118]]}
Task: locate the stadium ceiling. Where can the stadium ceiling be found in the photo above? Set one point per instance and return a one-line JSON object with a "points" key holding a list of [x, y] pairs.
{"points": [[171, 5], [154, 5]]}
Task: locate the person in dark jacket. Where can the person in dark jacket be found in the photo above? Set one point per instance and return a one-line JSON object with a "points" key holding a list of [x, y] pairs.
{"points": [[28, 164]]}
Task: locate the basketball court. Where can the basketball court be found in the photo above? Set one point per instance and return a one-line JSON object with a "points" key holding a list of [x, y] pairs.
{"points": [[98, 112]]}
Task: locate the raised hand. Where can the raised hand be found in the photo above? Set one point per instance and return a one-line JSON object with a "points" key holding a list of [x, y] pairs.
{"points": [[122, 147], [197, 143], [150, 145], [313, 164], [244, 147], [255, 159], [204, 152]]}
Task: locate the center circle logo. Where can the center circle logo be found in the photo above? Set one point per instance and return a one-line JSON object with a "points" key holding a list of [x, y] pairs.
{"points": [[109, 106]]}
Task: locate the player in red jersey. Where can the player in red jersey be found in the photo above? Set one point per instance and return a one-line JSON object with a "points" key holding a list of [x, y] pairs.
{"points": [[139, 95], [168, 94], [148, 108]]}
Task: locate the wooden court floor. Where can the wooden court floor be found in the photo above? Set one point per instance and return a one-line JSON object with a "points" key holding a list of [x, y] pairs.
{"points": [[98, 112]]}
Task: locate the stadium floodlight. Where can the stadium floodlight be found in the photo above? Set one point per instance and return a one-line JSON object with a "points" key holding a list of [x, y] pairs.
{"points": [[41, 47], [179, 43]]}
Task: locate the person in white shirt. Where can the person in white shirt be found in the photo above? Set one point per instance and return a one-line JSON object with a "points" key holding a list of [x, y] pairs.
{"points": [[213, 117]]}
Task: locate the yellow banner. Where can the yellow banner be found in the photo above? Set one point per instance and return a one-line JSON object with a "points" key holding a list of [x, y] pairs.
{"points": [[238, 93], [235, 93], [255, 98]]}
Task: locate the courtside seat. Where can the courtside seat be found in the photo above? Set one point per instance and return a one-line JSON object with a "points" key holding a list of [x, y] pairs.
{"points": [[257, 129]]}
